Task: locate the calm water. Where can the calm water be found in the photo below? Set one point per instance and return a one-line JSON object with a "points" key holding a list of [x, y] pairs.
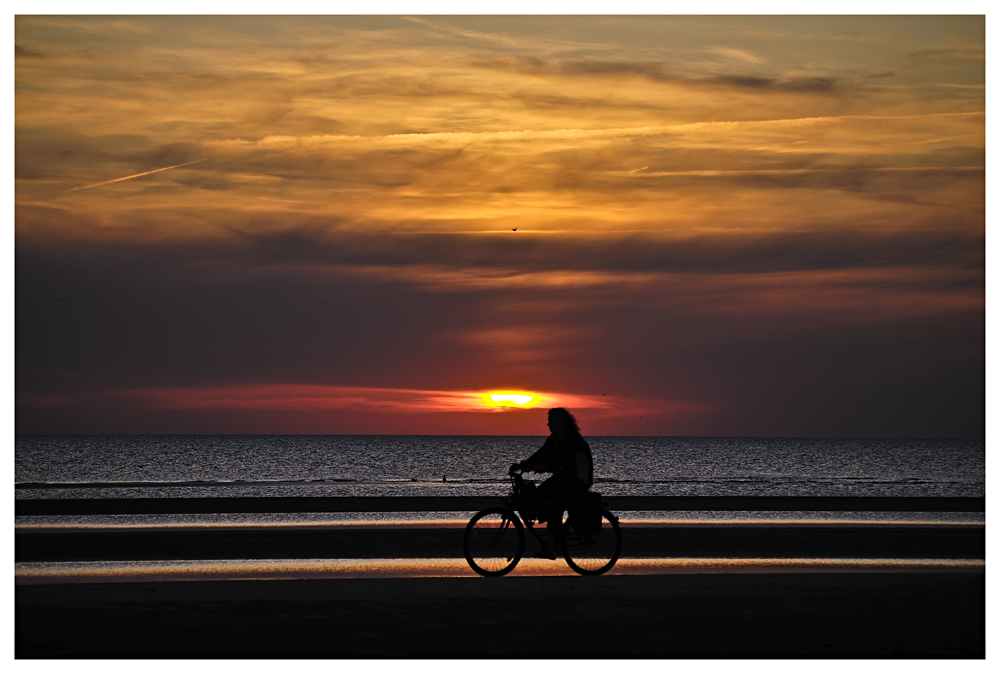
{"points": [[179, 466]]}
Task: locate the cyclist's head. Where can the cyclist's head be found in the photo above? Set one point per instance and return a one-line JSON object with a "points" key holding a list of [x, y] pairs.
{"points": [[562, 418]]}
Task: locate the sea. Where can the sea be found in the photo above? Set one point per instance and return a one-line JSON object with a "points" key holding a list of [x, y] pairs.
{"points": [[179, 466]]}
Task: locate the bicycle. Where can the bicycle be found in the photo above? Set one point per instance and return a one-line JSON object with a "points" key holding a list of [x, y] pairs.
{"points": [[590, 540]]}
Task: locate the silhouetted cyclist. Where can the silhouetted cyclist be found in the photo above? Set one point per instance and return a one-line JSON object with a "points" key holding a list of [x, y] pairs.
{"points": [[567, 456]]}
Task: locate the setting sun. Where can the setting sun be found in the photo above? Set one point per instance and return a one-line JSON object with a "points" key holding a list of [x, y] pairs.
{"points": [[512, 399]]}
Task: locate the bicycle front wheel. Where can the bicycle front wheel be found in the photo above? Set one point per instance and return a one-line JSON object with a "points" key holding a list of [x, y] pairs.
{"points": [[591, 549], [494, 541]]}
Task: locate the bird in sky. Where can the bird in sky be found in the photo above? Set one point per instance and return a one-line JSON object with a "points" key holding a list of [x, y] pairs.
{"points": [[514, 230]]}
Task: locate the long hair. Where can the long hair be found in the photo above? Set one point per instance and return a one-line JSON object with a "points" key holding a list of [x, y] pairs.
{"points": [[564, 414]]}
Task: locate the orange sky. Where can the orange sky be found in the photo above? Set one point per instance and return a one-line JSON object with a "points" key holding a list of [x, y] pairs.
{"points": [[724, 225]]}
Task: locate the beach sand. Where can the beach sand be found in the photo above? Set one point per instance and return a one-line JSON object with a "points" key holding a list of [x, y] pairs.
{"points": [[771, 615], [697, 613]]}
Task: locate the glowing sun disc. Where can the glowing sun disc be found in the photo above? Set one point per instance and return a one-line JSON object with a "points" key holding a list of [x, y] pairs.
{"points": [[516, 398]]}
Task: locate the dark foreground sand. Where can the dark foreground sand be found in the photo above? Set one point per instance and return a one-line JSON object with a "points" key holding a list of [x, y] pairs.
{"points": [[911, 614], [842, 615]]}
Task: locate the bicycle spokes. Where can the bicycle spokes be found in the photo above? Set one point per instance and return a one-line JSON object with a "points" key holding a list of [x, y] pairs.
{"points": [[494, 541], [593, 553], [501, 531]]}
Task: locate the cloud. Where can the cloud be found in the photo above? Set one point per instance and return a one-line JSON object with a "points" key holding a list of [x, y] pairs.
{"points": [[486, 258], [723, 252], [809, 84], [745, 81], [775, 83], [651, 70], [737, 213], [23, 52], [226, 327], [312, 397], [463, 33], [732, 54], [976, 53], [659, 72]]}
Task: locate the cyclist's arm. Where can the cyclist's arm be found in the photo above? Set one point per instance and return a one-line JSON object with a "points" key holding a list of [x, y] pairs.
{"points": [[538, 461]]}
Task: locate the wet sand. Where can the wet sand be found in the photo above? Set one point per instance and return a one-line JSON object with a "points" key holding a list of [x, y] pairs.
{"points": [[907, 541], [196, 505], [773, 615], [697, 613]]}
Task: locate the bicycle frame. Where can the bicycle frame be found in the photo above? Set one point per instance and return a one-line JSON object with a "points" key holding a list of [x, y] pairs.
{"points": [[523, 495], [519, 498]]}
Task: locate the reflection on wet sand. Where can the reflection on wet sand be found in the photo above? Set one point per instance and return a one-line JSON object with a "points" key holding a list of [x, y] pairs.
{"points": [[278, 569]]}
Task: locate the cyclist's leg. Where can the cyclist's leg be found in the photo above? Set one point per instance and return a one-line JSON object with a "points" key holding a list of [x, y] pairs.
{"points": [[554, 525], [572, 495], [550, 511], [561, 493]]}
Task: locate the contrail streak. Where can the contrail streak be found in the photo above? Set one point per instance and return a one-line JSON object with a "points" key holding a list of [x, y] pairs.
{"points": [[137, 175]]}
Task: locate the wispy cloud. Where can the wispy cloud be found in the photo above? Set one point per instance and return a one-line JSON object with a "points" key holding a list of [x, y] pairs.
{"points": [[733, 54], [464, 33], [134, 175], [305, 397], [571, 133]]}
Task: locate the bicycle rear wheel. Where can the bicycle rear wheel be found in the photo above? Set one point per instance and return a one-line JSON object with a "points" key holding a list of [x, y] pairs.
{"points": [[597, 551], [494, 541]]}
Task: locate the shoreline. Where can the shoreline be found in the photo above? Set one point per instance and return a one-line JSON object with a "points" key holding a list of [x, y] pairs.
{"points": [[461, 523]]}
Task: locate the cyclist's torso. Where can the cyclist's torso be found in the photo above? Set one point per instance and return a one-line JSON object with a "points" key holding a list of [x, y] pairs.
{"points": [[567, 458]]}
